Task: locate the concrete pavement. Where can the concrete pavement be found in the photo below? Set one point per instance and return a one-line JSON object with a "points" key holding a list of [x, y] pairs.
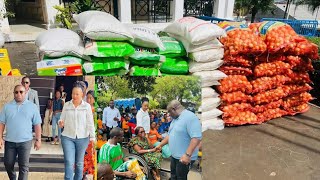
{"points": [[23, 57], [286, 148]]}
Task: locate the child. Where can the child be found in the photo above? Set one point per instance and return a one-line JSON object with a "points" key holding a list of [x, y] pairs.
{"points": [[63, 93], [46, 128], [154, 136], [126, 128], [133, 119], [57, 107], [132, 125], [101, 130]]}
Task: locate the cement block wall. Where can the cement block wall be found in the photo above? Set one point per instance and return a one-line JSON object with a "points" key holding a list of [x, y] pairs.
{"points": [[6, 89]]}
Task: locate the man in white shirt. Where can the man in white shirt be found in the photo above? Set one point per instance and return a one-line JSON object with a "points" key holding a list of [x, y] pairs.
{"points": [[110, 118]]}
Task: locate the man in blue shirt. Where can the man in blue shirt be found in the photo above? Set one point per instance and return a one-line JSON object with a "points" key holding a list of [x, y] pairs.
{"points": [[184, 137], [19, 116]]}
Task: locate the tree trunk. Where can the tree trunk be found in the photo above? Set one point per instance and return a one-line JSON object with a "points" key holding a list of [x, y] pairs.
{"points": [[254, 12]]}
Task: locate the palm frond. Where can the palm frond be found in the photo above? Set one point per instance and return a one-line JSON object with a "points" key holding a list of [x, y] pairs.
{"points": [[313, 5]]}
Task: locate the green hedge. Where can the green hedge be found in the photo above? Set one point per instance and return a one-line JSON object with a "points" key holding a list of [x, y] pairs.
{"points": [[316, 40]]}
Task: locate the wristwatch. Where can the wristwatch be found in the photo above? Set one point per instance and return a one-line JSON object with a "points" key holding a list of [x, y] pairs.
{"points": [[188, 155]]}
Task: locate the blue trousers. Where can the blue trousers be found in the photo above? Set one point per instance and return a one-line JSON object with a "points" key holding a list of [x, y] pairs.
{"points": [[73, 152]]}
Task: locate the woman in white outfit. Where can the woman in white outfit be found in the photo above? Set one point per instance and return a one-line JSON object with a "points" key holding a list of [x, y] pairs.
{"points": [[143, 117], [77, 121]]}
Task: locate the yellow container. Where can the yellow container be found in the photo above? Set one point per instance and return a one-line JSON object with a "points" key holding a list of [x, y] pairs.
{"points": [[15, 72], [5, 65]]}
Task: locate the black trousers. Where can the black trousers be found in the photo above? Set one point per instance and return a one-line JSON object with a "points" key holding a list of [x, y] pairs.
{"points": [[11, 151], [179, 171], [108, 131]]}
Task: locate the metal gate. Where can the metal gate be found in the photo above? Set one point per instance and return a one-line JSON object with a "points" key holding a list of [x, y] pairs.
{"points": [[198, 7], [151, 10], [109, 6]]}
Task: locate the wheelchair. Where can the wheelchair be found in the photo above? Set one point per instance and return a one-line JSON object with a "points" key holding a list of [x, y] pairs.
{"points": [[146, 168]]}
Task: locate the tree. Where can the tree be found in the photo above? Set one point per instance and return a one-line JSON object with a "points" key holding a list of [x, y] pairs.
{"points": [[114, 87], [141, 84], [8, 13], [153, 104], [254, 6], [241, 7], [313, 5], [181, 88]]}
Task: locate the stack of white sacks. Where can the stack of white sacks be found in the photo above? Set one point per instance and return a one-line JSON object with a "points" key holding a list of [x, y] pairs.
{"points": [[205, 53], [111, 44], [105, 47], [61, 52]]}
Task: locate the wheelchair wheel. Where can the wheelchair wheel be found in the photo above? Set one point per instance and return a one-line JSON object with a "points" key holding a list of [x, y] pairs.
{"points": [[145, 168]]}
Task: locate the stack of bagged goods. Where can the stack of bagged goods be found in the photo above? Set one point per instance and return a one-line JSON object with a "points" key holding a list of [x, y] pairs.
{"points": [[283, 72], [61, 53], [174, 52], [241, 45], [199, 38], [210, 113], [106, 42], [267, 67], [146, 61], [205, 53]]}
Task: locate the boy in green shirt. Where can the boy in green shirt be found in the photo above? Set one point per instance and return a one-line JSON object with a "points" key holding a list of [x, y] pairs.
{"points": [[111, 153]]}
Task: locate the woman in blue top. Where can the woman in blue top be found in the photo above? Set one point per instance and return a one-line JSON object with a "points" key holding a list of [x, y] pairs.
{"points": [[57, 109]]}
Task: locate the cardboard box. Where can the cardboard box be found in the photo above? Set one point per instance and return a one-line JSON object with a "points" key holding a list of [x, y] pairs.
{"points": [[59, 67]]}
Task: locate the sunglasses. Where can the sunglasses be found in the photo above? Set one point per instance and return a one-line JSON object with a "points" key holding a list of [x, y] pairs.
{"points": [[17, 92], [26, 82], [142, 132]]}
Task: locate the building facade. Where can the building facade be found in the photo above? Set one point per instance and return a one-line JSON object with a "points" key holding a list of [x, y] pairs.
{"points": [[127, 11]]}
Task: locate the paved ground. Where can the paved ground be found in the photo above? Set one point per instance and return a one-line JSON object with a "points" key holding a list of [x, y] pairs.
{"points": [[37, 176], [193, 175], [23, 57], [282, 149], [46, 148]]}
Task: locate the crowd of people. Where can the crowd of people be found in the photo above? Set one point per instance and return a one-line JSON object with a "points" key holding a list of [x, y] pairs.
{"points": [[158, 122], [71, 123], [146, 133]]}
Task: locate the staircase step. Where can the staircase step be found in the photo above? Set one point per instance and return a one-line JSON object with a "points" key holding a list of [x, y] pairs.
{"points": [[39, 167], [41, 158]]}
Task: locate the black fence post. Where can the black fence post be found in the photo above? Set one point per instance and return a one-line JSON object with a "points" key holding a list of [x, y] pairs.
{"points": [[115, 9]]}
